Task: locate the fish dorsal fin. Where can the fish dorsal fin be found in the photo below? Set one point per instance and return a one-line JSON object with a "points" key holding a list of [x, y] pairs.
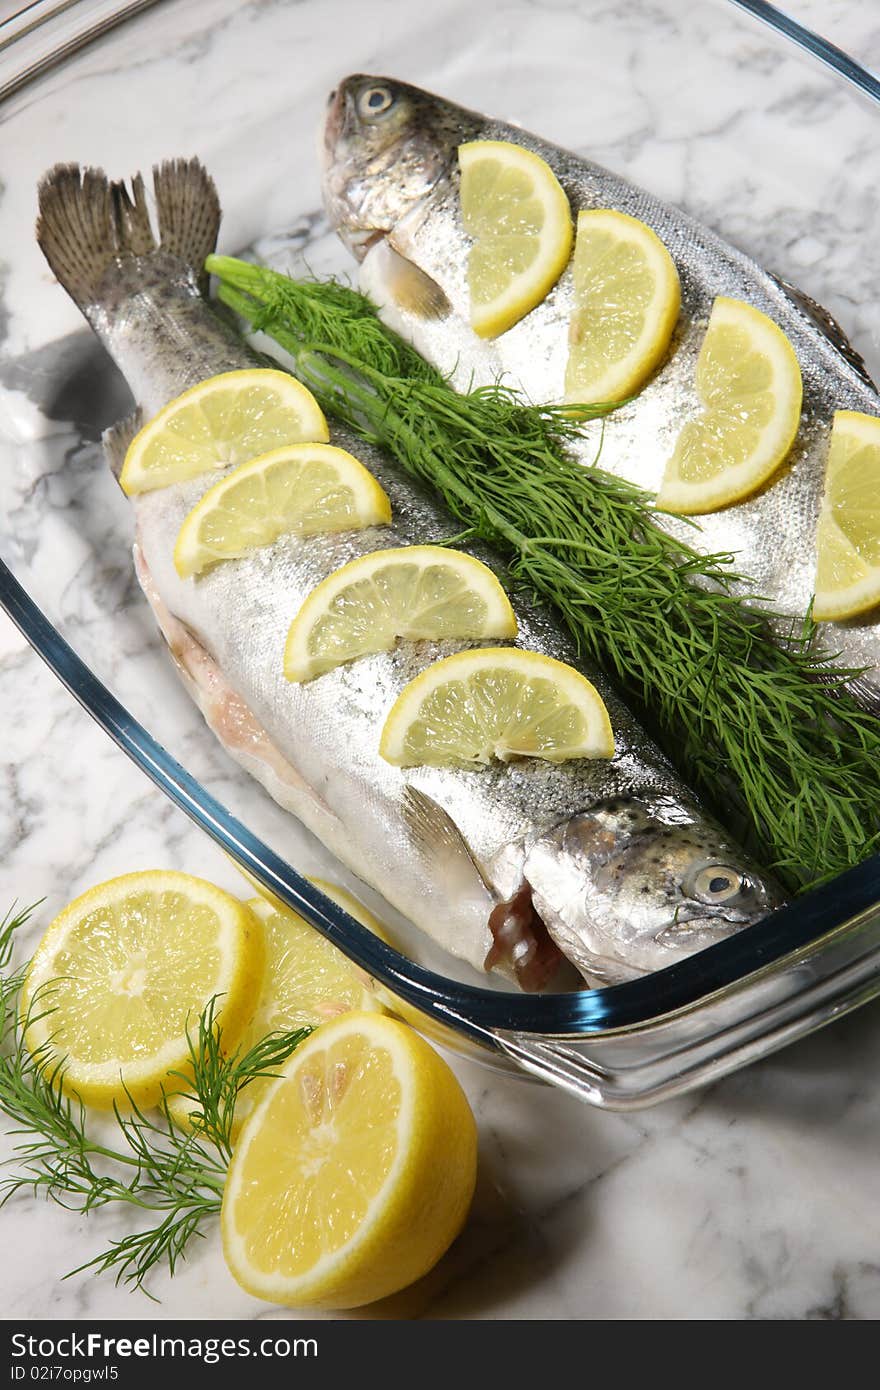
{"points": [[87, 224], [387, 276], [829, 328], [117, 438]]}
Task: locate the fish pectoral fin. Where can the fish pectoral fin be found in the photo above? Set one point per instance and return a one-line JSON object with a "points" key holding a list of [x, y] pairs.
{"points": [[828, 326], [118, 437], [439, 839], [386, 275]]}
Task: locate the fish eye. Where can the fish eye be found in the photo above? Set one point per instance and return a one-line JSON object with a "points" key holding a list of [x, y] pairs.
{"points": [[717, 883], [375, 101]]}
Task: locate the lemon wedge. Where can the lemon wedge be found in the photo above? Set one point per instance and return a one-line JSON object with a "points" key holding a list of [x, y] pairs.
{"points": [[749, 382], [355, 1172], [416, 592], [225, 420], [498, 702], [306, 981], [122, 975], [848, 535], [303, 489], [626, 303], [517, 212]]}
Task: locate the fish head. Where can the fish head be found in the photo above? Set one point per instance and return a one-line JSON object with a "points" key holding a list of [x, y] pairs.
{"points": [[386, 148], [625, 888]]}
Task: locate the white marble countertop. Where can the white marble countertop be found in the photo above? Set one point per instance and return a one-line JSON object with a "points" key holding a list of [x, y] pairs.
{"points": [[758, 1198]]}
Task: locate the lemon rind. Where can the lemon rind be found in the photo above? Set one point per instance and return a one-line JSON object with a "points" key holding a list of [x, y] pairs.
{"points": [[490, 321], [696, 499], [374, 508], [599, 742], [625, 377], [116, 1081], [134, 479], [300, 665], [858, 598]]}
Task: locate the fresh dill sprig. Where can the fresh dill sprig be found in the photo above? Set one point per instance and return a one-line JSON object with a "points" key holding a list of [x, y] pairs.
{"points": [[762, 726], [175, 1177]]}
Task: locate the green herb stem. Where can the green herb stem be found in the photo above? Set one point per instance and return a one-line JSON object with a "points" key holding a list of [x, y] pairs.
{"points": [[152, 1165], [758, 722]]}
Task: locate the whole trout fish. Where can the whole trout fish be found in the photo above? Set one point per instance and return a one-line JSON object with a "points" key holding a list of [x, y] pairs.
{"points": [[523, 867], [391, 188]]}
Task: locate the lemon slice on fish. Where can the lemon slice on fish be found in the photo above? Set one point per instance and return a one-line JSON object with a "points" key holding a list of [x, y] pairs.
{"points": [[749, 382], [499, 702], [354, 1174], [518, 214], [223, 421], [306, 981], [303, 489], [122, 975], [626, 303], [848, 535], [416, 592]]}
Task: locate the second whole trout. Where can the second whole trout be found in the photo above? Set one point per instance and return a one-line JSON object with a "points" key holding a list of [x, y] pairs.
{"points": [[391, 189], [612, 866]]}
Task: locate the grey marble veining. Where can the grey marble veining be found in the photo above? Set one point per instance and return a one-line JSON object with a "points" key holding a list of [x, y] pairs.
{"points": [[755, 1199]]}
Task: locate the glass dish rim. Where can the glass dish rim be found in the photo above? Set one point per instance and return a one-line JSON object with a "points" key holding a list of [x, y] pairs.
{"points": [[469, 1009]]}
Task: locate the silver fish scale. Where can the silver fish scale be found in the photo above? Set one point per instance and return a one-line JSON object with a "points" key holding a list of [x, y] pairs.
{"points": [[329, 727], [771, 535]]}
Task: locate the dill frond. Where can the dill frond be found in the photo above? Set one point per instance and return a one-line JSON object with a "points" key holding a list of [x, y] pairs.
{"points": [[763, 727], [174, 1177]]}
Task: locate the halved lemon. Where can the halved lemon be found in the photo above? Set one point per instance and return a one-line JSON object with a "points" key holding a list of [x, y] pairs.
{"points": [[848, 535], [306, 981], [415, 591], [303, 489], [626, 302], [122, 975], [354, 1174], [749, 381], [498, 702], [518, 214], [223, 421]]}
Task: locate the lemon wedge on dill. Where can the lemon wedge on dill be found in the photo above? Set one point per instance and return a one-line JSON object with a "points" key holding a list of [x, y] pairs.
{"points": [[303, 489], [121, 976], [418, 592], [749, 383], [848, 534], [223, 421], [355, 1172], [518, 214], [626, 302], [498, 702]]}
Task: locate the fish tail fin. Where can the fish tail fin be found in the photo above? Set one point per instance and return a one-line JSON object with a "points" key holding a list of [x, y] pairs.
{"points": [[87, 223]]}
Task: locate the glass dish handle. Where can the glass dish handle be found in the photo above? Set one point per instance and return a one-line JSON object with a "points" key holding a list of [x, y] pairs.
{"points": [[795, 996]]}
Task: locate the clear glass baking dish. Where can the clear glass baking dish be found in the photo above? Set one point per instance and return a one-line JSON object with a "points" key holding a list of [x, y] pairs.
{"points": [[739, 124]]}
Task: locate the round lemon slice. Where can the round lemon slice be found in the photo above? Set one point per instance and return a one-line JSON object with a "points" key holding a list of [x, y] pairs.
{"points": [[416, 592], [225, 420], [355, 1172], [304, 489], [122, 975], [848, 535], [749, 382], [499, 702], [626, 303], [517, 212]]}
